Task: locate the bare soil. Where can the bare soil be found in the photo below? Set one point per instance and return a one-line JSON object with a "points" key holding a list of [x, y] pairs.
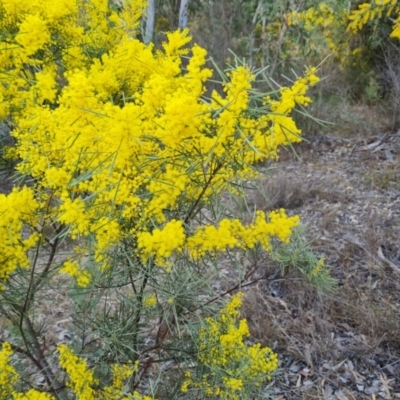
{"points": [[345, 344]]}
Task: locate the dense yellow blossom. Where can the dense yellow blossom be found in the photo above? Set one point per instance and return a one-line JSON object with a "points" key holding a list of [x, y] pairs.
{"points": [[333, 23], [33, 34], [232, 233], [8, 374], [138, 396], [9, 377], [210, 239], [32, 30], [161, 243], [396, 30], [32, 394], [121, 373], [16, 209], [141, 160], [123, 152], [71, 267], [375, 9], [224, 352], [119, 140], [130, 138], [81, 380]]}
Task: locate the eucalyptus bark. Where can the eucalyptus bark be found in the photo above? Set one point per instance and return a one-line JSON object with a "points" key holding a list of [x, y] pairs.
{"points": [[183, 14], [150, 21]]}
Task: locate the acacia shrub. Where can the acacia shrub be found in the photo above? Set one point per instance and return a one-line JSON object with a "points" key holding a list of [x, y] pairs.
{"points": [[121, 160]]}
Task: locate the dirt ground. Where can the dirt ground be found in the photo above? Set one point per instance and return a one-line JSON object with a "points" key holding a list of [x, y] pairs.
{"points": [[345, 344]]}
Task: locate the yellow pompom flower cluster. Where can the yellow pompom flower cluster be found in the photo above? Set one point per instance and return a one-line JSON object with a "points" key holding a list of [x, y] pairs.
{"points": [[232, 233], [81, 379], [32, 394], [161, 243], [295, 95], [331, 23], [123, 153], [118, 134], [210, 239], [33, 34], [121, 373], [16, 209], [33, 30], [313, 16], [8, 374], [396, 29], [334, 22], [71, 268], [9, 377], [150, 301], [232, 365], [373, 10]]}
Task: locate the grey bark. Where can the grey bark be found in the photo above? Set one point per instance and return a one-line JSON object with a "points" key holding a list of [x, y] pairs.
{"points": [[183, 14], [150, 21]]}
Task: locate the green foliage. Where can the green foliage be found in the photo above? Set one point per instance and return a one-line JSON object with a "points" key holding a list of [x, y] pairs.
{"points": [[298, 255]]}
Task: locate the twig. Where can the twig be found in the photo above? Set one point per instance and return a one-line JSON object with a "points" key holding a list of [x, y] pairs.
{"points": [[387, 261]]}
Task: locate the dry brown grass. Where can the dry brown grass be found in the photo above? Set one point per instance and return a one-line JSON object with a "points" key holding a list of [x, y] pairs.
{"points": [[350, 337], [314, 329]]}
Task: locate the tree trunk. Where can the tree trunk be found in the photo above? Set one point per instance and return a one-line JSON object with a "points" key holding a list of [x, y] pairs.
{"points": [[150, 20], [183, 14]]}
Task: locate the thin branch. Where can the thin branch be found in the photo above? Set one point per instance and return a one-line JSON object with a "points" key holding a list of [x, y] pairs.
{"points": [[206, 186]]}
